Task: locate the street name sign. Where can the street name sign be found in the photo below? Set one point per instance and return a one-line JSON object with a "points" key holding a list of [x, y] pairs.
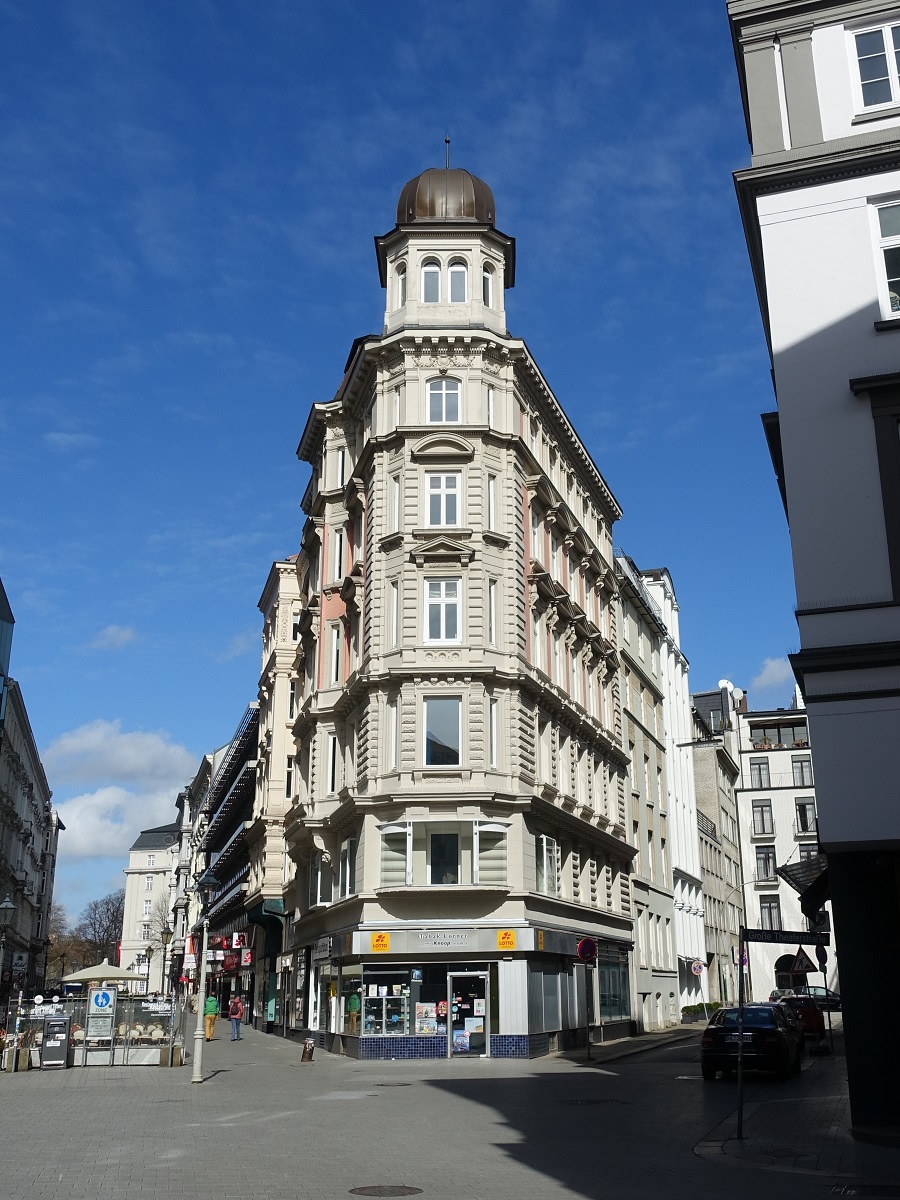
{"points": [[786, 936]]}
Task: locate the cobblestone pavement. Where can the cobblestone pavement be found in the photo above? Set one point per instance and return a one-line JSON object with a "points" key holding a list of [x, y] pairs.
{"points": [[265, 1124]]}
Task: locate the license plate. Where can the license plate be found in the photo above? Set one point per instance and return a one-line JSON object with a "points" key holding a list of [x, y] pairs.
{"points": [[736, 1037]]}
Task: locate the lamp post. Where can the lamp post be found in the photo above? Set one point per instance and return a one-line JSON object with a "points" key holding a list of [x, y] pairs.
{"points": [[206, 881], [148, 954], [165, 937]]}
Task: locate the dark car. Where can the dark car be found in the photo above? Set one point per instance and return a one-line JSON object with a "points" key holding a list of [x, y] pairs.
{"points": [[808, 1012], [826, 999], [773, 1041], [777, 994]]}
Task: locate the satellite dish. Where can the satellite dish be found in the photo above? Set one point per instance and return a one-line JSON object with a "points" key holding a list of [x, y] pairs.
{"points": [[727, 684], [738, 694]]}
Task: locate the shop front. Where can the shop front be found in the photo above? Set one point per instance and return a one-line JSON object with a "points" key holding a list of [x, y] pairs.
{"points": [[458, 992]]}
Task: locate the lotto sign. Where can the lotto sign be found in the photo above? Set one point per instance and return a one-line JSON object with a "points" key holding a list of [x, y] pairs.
{"points": [[506, 939], [381, 943]]}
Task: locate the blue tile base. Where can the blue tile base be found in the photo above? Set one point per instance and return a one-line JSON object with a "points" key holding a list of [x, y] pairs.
{"points": [[503, 1045]]}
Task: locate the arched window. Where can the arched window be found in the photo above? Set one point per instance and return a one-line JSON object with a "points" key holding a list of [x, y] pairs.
{"points": [[443, 401], [401, 285], [487, 285], [458, 281], [431, 282]]}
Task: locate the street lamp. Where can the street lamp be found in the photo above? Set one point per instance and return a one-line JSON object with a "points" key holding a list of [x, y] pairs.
{"points": [[7, 912], [165, 937], [205, 884], [148, 954]]}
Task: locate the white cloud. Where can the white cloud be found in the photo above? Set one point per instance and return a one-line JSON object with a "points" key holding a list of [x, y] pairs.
{"points": [[241, 643], [100, 753], [67, 443], [775, 673], [128, 782], [113, 637]]}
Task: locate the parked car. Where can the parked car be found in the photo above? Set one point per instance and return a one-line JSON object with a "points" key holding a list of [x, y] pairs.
{"points": [[773, 1041], [807, 1010], [777, 994], [826, 999]]}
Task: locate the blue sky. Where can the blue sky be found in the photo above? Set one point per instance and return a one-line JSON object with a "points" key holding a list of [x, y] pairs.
{"points": [[187, 208]]}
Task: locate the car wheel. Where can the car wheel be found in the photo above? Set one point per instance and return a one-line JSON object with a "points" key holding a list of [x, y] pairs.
{"points": [[708, 1073]]}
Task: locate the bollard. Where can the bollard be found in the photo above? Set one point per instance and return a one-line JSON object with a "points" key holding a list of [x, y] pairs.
{"points": [[308, 1046]]}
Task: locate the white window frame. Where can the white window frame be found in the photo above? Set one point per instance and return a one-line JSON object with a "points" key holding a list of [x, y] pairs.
{"points": [[289, 777], [393, 744], [444, 388], [332, 759], [493, 732], [489, 406], [546, 865], [457, 268], [443, 492], [394, 502], [441, 699], [148, 883], [292, 699], [334, 655], [479, 827], [151, 860], [487, 285], [492, 612], [148, 908], [492, 501], [893, 75], [337, 554], [881, 245], [394, 614], [347, 869], [401, 285], [430, 266], [444, 604]]}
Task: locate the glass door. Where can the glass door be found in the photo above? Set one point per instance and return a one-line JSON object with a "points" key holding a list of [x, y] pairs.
{"points": [[468, 1031]]}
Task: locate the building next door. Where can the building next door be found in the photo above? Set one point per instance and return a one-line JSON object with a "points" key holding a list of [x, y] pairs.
{"points": [[468, 1025]]}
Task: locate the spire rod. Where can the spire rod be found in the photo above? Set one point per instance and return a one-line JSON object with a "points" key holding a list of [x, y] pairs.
{"points": [[447, 144]]}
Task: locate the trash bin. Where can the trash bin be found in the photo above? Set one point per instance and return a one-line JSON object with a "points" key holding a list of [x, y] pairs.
{"points": [[55, 1043], [308, 1046]]}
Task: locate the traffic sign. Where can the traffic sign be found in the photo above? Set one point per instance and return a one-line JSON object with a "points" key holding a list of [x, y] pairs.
{"points": [[587, 950], [786, 936], [697, 967], [802, 964], [822, 956]]}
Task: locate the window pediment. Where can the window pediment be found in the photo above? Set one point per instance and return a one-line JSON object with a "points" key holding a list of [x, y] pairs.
{"points": [[442, 550], [442, 447]]}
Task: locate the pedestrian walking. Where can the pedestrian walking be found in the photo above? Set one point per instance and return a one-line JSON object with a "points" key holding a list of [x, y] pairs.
{"points": [[236, 1012], [210, 1012]]}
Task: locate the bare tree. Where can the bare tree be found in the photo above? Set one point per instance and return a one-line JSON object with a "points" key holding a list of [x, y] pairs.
{"points": [[67, 950], [100, 924], [160, 919]]}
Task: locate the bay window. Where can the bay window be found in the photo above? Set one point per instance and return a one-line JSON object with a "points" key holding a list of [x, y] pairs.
{"points": [[442, 731]]}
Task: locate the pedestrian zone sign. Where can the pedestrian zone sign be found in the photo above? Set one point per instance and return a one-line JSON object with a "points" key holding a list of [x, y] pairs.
{"points": [[802, 964]]}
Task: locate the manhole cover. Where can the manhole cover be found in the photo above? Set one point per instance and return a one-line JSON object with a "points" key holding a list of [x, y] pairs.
{"points": [[386, 1189], [392, 1085]]}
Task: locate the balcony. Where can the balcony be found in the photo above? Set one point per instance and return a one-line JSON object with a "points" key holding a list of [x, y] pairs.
{"points": [[762, 829], [765, 883]]}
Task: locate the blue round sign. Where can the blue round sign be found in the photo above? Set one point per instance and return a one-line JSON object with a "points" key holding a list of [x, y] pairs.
{"points": [[102, 1000]]}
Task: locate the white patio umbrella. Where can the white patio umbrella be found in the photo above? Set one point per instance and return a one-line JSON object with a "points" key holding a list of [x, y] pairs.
{"points": [[104, 972]]}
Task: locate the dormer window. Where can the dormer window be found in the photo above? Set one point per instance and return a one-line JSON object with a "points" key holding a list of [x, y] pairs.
{"points": [[487, 286], [458, 281], [443, 401], [401, 285], [431, 283]]}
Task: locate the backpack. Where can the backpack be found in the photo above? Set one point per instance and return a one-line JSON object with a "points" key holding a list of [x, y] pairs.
{"points": [[235, 1009]]}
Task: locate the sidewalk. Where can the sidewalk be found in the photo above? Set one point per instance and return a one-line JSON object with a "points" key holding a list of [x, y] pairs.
{"points": [[806, 1134]]}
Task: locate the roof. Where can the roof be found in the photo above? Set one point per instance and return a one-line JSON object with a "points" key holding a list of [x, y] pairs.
{"points": [[446, 194], [160, 838]]}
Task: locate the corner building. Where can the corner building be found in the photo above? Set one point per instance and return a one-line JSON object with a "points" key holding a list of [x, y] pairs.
{"points": [[457, 817]]}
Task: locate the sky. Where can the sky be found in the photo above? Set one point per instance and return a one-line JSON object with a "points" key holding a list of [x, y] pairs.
{"points": [[188, 199]]}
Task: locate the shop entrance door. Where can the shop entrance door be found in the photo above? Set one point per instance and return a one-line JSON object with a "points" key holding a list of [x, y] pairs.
{"points": [[468, 1028]]}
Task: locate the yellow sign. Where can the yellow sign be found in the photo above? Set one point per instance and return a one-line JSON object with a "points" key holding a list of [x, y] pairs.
{"points": [[381, 943], [506, 939], [348, 942], [540, 939]]}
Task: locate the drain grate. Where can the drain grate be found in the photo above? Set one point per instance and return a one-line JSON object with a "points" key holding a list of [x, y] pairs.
{"points": [[386, 1189]]}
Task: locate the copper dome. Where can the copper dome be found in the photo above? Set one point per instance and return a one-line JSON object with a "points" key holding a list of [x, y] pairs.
{"points": [[450, 194]]}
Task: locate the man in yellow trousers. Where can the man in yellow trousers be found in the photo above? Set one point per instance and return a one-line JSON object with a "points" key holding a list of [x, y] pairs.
{"points": [[210, 1012]]}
